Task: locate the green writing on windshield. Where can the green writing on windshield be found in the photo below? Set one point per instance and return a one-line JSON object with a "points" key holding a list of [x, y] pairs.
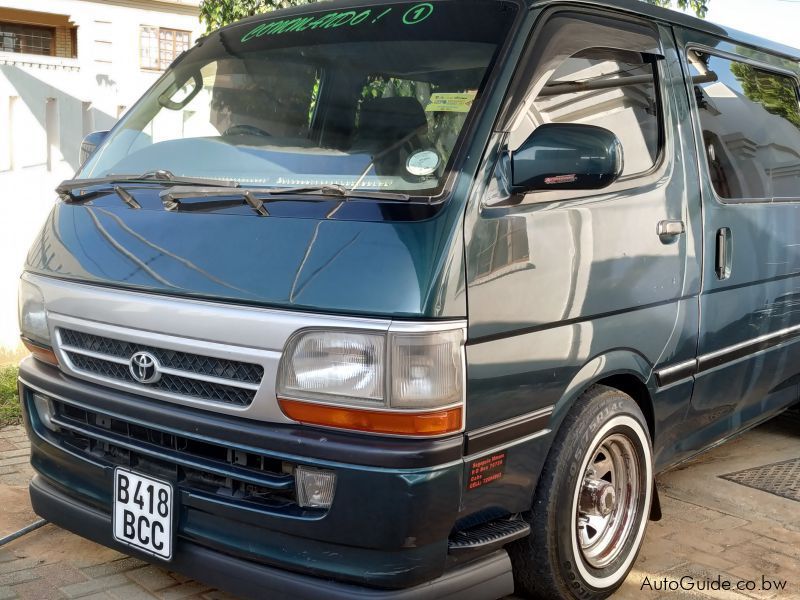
{"points": [[416, 14]]}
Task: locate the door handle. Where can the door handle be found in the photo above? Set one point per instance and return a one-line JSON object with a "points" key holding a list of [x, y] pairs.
{"points": [[669, 230], [724, 252]]}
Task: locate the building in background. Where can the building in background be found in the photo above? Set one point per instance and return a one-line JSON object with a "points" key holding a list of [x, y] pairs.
{"points": [[68, 67]]}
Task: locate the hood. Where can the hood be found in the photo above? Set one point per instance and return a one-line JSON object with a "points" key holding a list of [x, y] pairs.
{"points": [[387, 262]]}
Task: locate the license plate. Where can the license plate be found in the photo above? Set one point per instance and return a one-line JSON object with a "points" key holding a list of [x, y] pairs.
{"points": [[143, 513]]}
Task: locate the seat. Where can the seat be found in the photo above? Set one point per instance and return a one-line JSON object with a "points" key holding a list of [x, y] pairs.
{"points": [[390, 129]]}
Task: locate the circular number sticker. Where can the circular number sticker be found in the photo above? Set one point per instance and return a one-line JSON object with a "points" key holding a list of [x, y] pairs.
{"points": [[418, 13], [423, 162]]}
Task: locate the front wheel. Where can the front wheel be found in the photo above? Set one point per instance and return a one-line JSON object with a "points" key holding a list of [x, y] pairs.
{"points": [[590, 508]]}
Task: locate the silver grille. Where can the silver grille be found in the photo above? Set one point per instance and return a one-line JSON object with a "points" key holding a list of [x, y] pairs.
{"points": [[182, 373]]}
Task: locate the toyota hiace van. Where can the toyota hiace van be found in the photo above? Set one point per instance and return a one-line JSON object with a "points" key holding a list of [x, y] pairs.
{"points": [[371, 299]]}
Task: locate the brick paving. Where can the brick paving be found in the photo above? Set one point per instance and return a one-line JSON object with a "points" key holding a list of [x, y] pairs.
{"points": [[711, 528], [714, 528], [53, 563]]}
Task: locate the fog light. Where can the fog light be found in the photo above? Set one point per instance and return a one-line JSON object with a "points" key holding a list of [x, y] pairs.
{"points": [[314, 487], [44, 408]]}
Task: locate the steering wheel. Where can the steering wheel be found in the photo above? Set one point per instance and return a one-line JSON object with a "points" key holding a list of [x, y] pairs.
{"points": [[245, 130]]}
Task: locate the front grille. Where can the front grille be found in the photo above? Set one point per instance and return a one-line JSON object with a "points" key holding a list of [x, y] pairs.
{"points": [[195, 465], [182, 361], [183, 374]]}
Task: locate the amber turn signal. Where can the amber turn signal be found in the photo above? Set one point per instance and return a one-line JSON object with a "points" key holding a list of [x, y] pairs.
{"points": [[43, 353], [396, 423]]}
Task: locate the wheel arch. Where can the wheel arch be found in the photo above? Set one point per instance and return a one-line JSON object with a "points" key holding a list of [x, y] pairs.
{"points": [[621, 369], [624, 370]]}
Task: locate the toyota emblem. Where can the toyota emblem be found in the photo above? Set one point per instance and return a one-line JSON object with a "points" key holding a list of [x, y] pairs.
{"points": [[144, 367]]}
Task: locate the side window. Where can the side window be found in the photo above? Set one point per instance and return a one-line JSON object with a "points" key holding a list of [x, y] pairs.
{"points": [[750, 119], [614, 89], [597, 71]]}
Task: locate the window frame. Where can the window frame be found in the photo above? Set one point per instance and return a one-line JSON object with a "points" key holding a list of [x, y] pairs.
{"points": [[158, 29], [509, 112], [694, 109]]}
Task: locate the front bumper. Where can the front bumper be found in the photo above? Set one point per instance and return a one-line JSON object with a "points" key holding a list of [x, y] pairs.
{"points": [[395, 506], [485, 578]]}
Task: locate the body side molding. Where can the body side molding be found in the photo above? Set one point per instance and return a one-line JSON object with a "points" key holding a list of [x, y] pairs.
{"points": [[684, 370], [505, 432]]}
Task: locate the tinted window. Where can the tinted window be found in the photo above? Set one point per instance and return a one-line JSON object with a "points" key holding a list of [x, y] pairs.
{"points": [[750, 120]]}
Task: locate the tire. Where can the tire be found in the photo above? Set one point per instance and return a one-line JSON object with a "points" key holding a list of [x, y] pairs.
{"points": [[586, 529]]}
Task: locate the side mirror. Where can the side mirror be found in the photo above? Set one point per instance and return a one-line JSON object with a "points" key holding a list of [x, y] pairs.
{"points": [[567, 156], [89, 143]]}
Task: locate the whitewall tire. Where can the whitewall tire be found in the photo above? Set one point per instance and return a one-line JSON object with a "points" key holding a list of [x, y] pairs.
{"points": [[590, 510]]}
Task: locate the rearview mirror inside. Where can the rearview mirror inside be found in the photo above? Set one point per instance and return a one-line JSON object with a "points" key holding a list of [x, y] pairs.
{"points": [[89, 143]]}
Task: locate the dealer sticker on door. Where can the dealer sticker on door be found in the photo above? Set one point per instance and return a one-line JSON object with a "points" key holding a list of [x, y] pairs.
{"points": [[143, 513]]}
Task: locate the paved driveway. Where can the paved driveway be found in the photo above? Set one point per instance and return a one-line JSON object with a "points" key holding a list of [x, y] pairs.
{"points": [[714, 529]]}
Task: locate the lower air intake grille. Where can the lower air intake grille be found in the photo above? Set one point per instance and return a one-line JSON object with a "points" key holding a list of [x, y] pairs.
{"points": [[197, 465]]}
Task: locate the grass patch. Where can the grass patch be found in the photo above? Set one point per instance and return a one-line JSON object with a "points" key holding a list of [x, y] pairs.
{"points": [[10, 412]]}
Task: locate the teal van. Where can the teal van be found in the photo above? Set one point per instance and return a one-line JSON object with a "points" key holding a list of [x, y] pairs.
{"points": [[413, 299]]}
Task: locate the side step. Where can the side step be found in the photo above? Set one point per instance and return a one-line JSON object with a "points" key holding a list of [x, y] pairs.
{"points": [[488, 536]]}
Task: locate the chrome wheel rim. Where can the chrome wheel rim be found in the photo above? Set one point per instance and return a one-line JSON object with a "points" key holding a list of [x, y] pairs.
{"points": [[608, 498]]}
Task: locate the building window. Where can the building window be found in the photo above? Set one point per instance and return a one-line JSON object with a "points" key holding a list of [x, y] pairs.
{"points": [[159, 46], [148, 47], [26, 39]]}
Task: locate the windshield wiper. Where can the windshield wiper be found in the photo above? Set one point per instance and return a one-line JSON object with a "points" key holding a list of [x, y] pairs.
{"points": [[66, 188], [256, 198], [126, 196], [120, 191]]}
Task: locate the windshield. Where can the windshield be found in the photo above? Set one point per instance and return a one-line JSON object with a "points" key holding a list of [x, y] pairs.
{"points": [[370, 99]]}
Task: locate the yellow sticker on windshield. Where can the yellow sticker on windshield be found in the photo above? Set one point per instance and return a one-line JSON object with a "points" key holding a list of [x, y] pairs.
{"points": [[446, 102]]}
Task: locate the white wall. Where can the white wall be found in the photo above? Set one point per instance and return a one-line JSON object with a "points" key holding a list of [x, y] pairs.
{"points": [[47, 105]]}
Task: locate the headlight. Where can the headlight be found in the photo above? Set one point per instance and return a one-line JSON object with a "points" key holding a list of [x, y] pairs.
{"points": [[32, 314], [401, 382], [33, 322], [335, 366]]}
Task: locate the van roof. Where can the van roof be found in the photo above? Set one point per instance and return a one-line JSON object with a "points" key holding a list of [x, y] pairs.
{"points": [[632, 6]]}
